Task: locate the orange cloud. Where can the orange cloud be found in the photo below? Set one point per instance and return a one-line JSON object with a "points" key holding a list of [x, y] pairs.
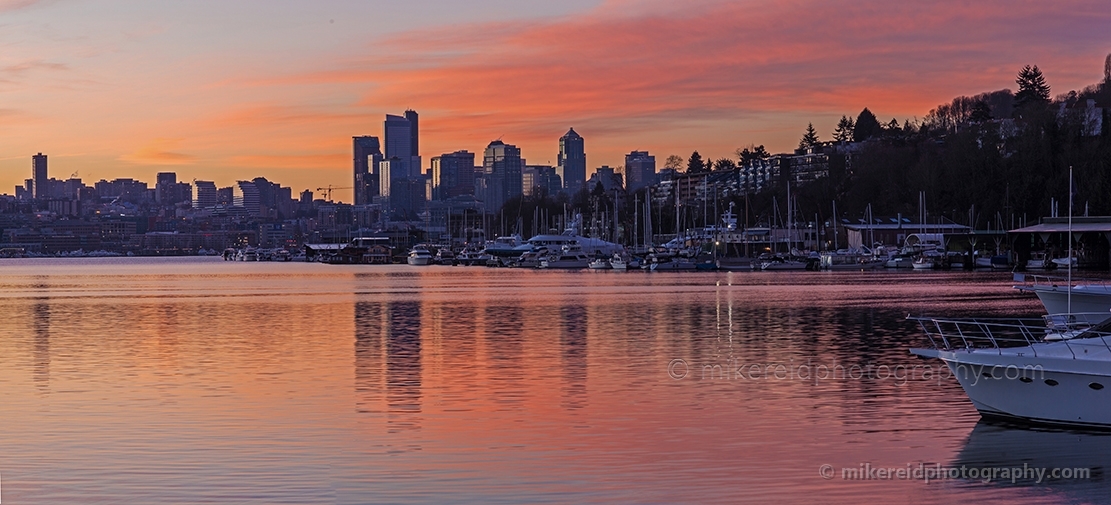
{"points": [[157, 152], [713, 73]]}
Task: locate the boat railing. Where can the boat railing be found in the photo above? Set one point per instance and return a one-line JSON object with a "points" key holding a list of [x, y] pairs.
{"points": [[981, 333], [1055, 281], [1074, 330]]}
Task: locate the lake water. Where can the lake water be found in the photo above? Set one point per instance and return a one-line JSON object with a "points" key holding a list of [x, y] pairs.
{"points": [[194, 380]]}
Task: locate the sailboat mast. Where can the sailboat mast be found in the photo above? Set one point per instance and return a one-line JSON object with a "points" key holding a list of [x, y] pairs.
{"points": [[1070, 243]]}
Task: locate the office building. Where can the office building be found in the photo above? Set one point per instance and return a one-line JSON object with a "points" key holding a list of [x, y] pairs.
{"points": [[367, 154], [206, 196], [571, 165], [501, 170], [38, 173], [401, 142], [640, 170], [245, 194], [542, 178], [452, 175]]}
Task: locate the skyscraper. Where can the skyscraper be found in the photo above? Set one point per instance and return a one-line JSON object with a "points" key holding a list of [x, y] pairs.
{"points": [[402, 140], [38, 173], [368, 154], [571, 167], [414, 133], [640, 170], [452, 175], [501, 168]]}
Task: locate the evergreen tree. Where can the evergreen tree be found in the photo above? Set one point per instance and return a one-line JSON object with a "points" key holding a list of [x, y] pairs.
{"points": [[866, 126], [695, 164], [981, 112], [810, 138], [752, 153], [724, 164], [1032, 88], [844, 130]]}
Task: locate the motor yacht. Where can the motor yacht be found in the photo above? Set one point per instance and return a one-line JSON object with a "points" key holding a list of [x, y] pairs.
{"points": [[1035, 371], [420, 256]]}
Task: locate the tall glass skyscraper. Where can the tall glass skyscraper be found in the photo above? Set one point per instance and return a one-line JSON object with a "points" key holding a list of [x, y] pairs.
{"points": [[367, 155], [38, 173], [572, 161], [501, 164], [403, 141]]}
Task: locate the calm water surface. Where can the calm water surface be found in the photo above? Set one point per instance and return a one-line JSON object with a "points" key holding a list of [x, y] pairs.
{"points": [[193, 380]]}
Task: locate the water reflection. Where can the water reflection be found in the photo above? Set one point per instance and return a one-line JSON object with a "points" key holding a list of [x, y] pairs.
{"points": [[388, 361], [40, 324], [573, 355], [996, 445]]}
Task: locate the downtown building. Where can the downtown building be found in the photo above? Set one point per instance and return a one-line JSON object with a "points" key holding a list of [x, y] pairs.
{"points": [[501, 175], [571, 166], [367, 155], [640, 170], [403, 141], [452, 175]]}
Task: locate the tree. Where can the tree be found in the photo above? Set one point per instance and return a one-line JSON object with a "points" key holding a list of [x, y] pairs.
{"points": [[844, 130], [867, 126], [810, 138], [752, 153], [674, 162], [981, 112], [1107, 70], [695, 164], [724, 164], [1032, 88]]}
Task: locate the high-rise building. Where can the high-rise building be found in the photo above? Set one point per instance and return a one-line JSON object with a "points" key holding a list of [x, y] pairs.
{"points": [[167, 191], [206, 196], [640, 170], [401, 135], [368, 153], [501, 168], [414, 133], [38, 173], [245, 194], [571, 165], [540, 177], [452, 175]]}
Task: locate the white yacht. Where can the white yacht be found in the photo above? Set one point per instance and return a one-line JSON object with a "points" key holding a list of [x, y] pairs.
{"points": [[571, 237], [568, 257], [599, 264], [420, 255], [1087, 300], [1026, 370], [618, 262]]}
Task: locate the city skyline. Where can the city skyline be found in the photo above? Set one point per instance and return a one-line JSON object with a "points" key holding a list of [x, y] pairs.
{"points": [[225, 93]]}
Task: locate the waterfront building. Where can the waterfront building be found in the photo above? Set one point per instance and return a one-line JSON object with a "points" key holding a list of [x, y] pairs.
{"points": [[38, 173], [452, 175], [571, 166], [367, 155], [640, 170]]}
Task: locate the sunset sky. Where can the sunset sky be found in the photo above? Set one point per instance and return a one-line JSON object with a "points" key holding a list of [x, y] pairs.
{"points": [[219, 90]]}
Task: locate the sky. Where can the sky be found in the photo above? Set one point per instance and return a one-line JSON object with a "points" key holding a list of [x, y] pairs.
{"points": [[226, 91]]}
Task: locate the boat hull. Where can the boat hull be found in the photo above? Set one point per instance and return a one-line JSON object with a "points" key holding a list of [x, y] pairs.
{"points": [[1089, 303], [1056, 390]]}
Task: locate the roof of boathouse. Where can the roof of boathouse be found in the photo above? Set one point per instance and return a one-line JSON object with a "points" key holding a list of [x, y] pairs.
{"points": [[1080, 224]]}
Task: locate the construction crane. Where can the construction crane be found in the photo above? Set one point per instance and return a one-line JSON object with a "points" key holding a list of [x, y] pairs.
{"points": [[328, 191]]}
